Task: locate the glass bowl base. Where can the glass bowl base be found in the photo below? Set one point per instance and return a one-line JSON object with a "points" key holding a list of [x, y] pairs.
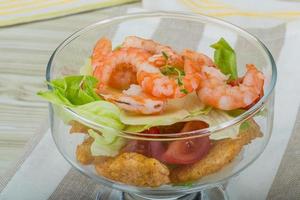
{"points": [[216, 193]]}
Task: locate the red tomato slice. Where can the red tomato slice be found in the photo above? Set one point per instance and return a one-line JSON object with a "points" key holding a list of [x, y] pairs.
{"points": [[144, 147], [138, 146], [177, 152], [186, 151], [157, 150]]}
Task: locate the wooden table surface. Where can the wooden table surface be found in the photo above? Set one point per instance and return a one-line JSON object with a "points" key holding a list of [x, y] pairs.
{"points": [[24, 53]]}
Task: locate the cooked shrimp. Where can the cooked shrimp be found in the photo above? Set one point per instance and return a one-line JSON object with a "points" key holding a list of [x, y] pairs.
{"points": [[123, 76], [134, 100], [102, 48], [158, 58], [165, 87], [161, 86], [149, 77], [193, 61], [214, 90], [125, 56]]}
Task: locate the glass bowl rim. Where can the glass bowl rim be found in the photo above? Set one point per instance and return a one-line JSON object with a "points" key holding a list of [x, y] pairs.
{"points": [[183, 16]]}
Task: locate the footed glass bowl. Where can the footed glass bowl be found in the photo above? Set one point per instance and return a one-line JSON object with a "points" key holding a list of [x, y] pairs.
{"points": [[140, 173]]}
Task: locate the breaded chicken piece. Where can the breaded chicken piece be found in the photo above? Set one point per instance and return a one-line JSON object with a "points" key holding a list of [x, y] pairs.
{"points": [[135, 169], [83, 152], [221, 153], [77, 127]]}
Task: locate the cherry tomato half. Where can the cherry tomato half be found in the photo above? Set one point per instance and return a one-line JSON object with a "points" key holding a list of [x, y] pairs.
{"points": [[186, 151], [176, 152]]}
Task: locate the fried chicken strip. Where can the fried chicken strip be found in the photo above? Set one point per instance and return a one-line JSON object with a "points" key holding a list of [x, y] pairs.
{"points": [[77, 127], [135, 169], [221, 153], [83, 152]]}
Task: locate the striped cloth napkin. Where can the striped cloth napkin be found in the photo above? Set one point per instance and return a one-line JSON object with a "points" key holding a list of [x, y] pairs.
{"points": [[44, 174], [274, 9], [23, 11]]}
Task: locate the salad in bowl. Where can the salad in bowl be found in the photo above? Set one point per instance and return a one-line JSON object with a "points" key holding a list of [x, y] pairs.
{"points": [[161, 105], [151, 101]]}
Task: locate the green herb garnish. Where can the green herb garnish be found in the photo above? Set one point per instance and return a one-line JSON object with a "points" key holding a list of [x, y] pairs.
{"points": [[179, 81], [117, 47], [165, 55], [225, 58], [169, 70], [184, 91]]}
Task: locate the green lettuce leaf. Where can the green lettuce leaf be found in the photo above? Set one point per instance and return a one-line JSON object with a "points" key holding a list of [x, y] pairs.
{"points": [[77, 93], [214, 118], [225, 58], [79, 90], [72, 90], [202, 111], [263, 112], [236, 112], [101, 112], [185, 109], [176, 110], [245, 125], [102, 147], [62, 114], [54, 97]]}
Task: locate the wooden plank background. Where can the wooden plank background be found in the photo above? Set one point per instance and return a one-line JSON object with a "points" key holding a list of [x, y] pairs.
{"points": [[24, 53]]}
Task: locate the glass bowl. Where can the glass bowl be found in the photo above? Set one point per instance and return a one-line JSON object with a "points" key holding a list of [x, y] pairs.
{"points": [[148, 178]]}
